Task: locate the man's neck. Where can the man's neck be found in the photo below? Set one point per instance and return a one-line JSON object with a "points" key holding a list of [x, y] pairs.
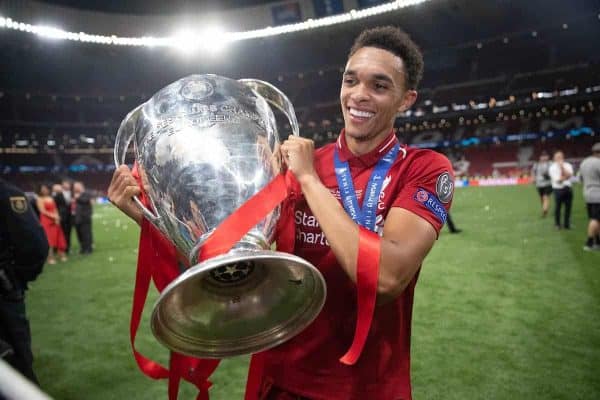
{"points": [[359, 148]]}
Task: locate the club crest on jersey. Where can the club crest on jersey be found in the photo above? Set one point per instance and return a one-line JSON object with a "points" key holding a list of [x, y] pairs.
{"points": [[444, 187], [18, 204], [432, 203]]}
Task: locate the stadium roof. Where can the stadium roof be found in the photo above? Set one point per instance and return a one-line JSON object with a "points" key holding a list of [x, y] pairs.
{"points": [[156, 7]]}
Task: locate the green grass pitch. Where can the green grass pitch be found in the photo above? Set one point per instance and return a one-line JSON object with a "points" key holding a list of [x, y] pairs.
{"points": [[508, 309]]}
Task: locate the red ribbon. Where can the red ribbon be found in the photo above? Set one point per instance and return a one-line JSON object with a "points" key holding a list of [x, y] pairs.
{"points": [[367, 275], [142, 283], [285, 242], [236, 225], [163, 257]]}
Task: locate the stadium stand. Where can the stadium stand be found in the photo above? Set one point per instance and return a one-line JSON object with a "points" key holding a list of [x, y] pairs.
{"points": [[487, 91]]}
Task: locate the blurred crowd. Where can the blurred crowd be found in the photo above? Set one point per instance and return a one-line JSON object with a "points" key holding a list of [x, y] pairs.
{"points": [[63, 208]]}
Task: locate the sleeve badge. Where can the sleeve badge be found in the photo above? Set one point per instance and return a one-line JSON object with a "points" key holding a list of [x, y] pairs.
{"points": [[444, 187], [18, 204]]}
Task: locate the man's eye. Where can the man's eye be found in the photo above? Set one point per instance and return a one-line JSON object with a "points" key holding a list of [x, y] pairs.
{"points": [[348, 81], [380, 86]]}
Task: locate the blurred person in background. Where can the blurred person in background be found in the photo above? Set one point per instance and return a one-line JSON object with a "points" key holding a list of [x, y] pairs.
{"points": [[541, 176], [67, 222], [23, 251], [50, 220], [64, 212], [451, 227], [32, 199], [461, 167], [590, 175], [560, 173], [82, 217]]}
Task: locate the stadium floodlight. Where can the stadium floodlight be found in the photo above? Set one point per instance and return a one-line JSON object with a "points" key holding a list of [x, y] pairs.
{"points": [[214, 39], [184, 41], [187, 41], [50, 32], [210, 40]]}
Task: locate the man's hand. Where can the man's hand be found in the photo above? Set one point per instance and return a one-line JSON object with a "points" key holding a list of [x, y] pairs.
{"points": [[298, 154], [121, 190]]}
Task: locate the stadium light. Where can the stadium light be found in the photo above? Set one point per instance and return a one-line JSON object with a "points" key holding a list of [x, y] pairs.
{"points": [[188, 41], [211, 40], [184, 41]]}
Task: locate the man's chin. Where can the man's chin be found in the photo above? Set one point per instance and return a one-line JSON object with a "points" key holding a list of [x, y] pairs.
{"points": [[358, 136]]}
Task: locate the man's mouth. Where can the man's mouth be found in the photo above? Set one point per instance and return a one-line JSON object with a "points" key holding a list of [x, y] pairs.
{"points": [[360, 113]]}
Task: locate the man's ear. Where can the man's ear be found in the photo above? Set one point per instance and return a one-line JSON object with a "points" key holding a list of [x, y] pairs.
{"points": [[408, 100]]}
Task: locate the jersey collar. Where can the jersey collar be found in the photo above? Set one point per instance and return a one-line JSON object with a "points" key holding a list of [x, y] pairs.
{"points": [[369, 159]]}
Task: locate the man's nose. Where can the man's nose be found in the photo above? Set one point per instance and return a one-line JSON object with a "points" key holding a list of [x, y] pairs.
{"points": [[359, 93]]}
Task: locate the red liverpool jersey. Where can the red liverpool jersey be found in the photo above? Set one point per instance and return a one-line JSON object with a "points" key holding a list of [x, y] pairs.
{"points": [[420, 181]]}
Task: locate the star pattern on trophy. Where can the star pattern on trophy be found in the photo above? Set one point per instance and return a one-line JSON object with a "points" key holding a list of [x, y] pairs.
{"points": [[232, 273]]}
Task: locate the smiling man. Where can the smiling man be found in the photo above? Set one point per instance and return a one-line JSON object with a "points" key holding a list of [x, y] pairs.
{"points": [[364, 182], [369, 212]]}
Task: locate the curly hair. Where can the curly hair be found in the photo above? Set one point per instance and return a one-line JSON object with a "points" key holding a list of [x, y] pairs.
{"points": [[397, 42]]}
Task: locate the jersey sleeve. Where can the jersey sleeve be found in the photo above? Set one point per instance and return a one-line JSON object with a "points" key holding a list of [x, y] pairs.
{"points": [[428, 189]]}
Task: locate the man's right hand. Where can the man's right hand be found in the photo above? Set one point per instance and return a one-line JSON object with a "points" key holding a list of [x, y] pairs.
{"points": [[123, 187]]}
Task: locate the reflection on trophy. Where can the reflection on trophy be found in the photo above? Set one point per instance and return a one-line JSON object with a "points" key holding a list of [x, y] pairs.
{"points": [[204, 145]]}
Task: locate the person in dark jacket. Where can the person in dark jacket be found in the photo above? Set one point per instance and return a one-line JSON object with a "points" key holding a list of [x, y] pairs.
{"points": [[23, 251], [82, 214], [64, 211]]}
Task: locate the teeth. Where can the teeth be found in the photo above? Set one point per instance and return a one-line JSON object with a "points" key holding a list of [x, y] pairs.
{"points": [[363, 114]]}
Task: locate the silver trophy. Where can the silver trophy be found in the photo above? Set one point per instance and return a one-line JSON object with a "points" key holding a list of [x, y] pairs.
{"points": [[204, 145]]}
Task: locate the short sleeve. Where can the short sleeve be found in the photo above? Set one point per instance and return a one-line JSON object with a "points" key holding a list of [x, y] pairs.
{"points": [[428, 188]]}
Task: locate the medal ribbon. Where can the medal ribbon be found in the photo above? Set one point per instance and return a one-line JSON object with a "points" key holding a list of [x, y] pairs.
{"points": [[369, 243], [366, 215]]}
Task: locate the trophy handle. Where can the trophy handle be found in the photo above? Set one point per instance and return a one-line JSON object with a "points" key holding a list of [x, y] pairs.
{"points": [[276, 98], [122, 141]]}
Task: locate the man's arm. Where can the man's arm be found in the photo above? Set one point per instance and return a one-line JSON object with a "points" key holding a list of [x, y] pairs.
{"points": [[566, 171], [84, 198], [407, 238]]}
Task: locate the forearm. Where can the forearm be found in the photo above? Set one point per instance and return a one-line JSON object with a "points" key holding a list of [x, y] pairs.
{"points": [[565, 175], [47, 214], [407, 238], [136, 216]]}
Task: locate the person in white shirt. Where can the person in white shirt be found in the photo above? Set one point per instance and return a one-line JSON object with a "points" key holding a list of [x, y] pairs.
{"points": [[560, 175]]}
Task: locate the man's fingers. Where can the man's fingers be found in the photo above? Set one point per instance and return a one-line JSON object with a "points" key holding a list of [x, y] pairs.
{"points": [[118, 176], [123, 196], [131, 191]]}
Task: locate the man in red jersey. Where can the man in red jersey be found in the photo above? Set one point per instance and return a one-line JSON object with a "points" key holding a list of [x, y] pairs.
{"points": [[364, 182]]}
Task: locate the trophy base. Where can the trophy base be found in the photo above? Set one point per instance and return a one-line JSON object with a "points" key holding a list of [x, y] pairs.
{"points": [[243, 302]]}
